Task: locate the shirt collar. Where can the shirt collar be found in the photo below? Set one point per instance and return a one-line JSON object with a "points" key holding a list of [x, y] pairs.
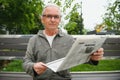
{"points": [[60, 33]]}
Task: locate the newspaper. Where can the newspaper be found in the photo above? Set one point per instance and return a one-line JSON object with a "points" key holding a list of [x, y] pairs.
{"points": [[78, 54]]}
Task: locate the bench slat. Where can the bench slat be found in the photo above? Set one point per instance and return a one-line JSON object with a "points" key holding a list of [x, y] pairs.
{"points": [[12, 53], [111, 53], [14, 46], [112, 40], [111, 47], [14, 40]]}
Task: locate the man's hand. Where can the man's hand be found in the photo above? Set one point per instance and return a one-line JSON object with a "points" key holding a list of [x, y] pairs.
{"points": [[97, 55], [39, 67]]}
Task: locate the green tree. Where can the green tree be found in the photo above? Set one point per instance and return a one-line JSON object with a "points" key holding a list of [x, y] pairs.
{"points": [[112, 17], [75, 24], [20, 16]]}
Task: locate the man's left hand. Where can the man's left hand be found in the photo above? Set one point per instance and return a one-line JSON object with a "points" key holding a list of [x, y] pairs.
{"points": [[96, 56]]}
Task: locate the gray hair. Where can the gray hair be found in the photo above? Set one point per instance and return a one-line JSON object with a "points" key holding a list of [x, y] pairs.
{"points": [[51, 5]]}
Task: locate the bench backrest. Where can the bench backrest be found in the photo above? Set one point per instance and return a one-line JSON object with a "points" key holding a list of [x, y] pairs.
{"points": [[15, 46], [112, 47]]}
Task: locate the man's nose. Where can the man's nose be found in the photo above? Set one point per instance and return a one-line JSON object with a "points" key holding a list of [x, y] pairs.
{"points": [[52, 18]]}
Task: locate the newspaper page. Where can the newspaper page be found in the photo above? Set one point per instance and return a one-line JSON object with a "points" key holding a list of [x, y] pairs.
{"points": [[78, 54]]}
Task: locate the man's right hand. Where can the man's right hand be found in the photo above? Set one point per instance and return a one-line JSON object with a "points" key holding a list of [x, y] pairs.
{"points": [[39, 67]]}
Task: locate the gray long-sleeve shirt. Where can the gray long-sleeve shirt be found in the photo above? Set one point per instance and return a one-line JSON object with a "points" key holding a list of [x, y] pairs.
{"points": [[39, 50]]}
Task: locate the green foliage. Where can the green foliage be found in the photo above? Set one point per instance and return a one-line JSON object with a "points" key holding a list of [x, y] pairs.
{"points": [[112, 17], [71, 27], [14, 66], [20, 16], [75, 25]]}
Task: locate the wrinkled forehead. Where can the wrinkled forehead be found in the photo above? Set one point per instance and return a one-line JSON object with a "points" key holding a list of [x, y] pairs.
{"points": [[51, 9]]}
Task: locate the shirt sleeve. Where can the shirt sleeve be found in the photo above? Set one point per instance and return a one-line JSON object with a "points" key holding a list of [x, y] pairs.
{"points": [[93, 62], [28, 60]]}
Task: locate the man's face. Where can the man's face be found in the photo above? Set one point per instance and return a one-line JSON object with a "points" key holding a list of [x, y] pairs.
{"points": [[51, 18]]}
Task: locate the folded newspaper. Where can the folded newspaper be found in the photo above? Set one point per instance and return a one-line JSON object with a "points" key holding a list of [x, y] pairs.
{"points": [[79, 53]]}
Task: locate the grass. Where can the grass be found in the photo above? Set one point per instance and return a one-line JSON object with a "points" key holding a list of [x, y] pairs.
{"points": [[14, 66], [104, 65]]}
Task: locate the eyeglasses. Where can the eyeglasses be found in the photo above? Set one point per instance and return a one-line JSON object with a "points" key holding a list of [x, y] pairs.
{"points": [[51, 16]]}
